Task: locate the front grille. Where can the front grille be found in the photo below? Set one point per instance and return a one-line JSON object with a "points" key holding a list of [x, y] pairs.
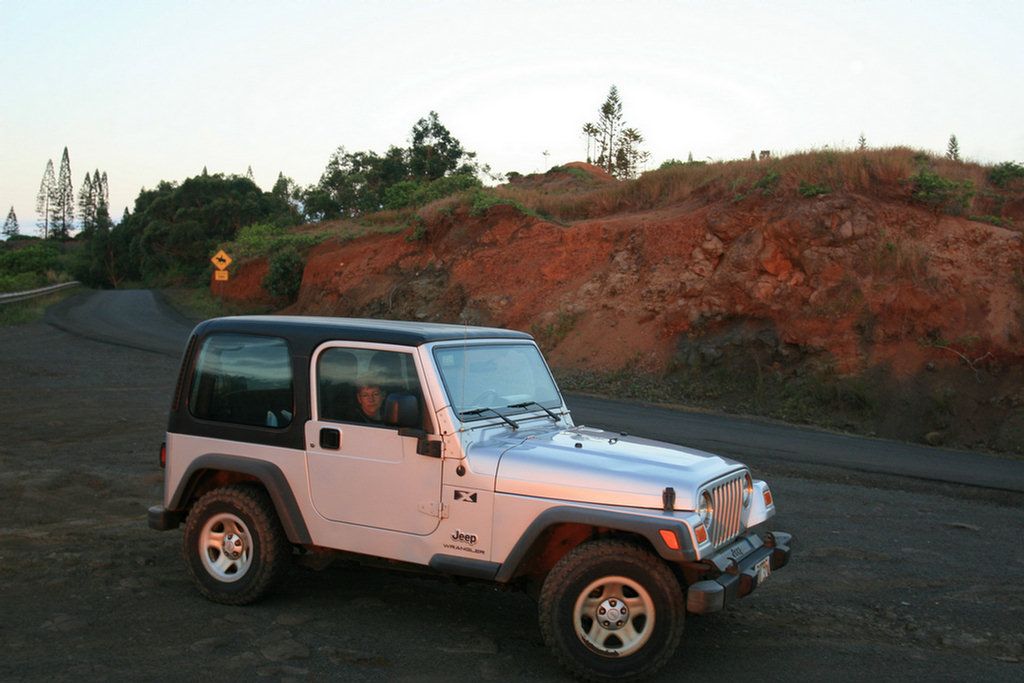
{"points": [[727, 498]]}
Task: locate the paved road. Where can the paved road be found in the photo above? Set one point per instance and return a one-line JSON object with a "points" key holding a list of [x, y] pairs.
{"points": [[136, 318], [141, 319], [758, 442]]}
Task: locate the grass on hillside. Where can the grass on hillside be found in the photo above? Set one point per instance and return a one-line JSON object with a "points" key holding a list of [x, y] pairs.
{"points": [[201, 304], [30, 310], [896, 173]]}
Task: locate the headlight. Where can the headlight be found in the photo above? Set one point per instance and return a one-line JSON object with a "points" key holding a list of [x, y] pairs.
{"points": [[748, 490], [706, 508]]}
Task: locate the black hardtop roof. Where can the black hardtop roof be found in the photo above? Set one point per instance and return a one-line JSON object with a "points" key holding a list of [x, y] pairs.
{"points": [[314, 330]]}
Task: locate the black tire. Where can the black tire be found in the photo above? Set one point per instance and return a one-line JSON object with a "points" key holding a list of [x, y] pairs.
{"points": [[612, 611], [234, 545]]}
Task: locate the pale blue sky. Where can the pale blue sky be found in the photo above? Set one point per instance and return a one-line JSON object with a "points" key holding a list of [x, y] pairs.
{"points": [[151, 91]]}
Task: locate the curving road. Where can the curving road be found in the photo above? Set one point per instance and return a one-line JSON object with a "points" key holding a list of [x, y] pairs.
{"points": [[137, 318], [141, 319]]}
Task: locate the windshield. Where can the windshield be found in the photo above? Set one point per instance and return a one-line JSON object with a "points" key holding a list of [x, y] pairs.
{"points": [[510, 378]]}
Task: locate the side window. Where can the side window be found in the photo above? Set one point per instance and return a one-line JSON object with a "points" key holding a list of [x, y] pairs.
{"points": [[243, 379], [353, 385]]}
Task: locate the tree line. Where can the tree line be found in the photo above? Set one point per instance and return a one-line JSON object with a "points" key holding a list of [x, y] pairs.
{"points": [[173, 229], [55, 203]]}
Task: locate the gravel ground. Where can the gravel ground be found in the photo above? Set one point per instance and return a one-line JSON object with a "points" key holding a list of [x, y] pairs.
{"points": [[891, 579]]}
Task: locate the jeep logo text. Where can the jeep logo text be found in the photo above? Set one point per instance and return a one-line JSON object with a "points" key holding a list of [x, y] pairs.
{"points": [[463, 537]]}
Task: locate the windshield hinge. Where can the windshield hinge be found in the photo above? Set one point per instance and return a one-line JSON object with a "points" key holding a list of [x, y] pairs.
{"points": [[439, 510]]}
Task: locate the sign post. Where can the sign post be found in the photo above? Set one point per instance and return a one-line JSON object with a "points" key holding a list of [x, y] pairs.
{"points": [[221, 261]]}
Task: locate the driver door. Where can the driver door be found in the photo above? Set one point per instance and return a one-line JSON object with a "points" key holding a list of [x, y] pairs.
{"points": [[366, 473]]}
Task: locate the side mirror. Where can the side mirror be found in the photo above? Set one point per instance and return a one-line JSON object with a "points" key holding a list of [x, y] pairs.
{"points": [[401, 410]]}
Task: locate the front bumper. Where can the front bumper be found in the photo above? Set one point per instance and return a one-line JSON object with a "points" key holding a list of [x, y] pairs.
{"points": [[741, 567]]}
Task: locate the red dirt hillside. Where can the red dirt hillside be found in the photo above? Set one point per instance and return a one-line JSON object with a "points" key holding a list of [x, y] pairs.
{"points": [[908, 319]]}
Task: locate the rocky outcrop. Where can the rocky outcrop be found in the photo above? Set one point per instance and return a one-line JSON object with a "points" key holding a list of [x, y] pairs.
{"points": [[851, 283]]}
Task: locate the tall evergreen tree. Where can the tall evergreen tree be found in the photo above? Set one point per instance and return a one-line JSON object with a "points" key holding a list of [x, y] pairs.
{"points": [[101, 182], [93, 203], [953, 149], [62, 200], [591, 133], [631, 157], [608, 126], [87, 204], [43, 208], [10, 228], [617, 145]]}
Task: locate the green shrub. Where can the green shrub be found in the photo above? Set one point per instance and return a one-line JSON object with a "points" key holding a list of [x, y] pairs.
{"points": [[994, 220], [34, 258], [941, 193], [419, 231], [813, 189], [256, 239], [412, 193], [768, 182], [284, 274], [1002, 175], [20, 282], [264, 239]]}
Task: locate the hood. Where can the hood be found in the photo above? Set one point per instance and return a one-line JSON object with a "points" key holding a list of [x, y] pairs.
{"points": [[594, 466]]}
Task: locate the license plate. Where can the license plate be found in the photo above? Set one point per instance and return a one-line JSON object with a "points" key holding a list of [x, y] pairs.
{"points": [[763, 569]]}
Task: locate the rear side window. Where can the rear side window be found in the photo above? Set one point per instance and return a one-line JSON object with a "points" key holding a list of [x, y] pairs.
{"points": [[243, 379]]}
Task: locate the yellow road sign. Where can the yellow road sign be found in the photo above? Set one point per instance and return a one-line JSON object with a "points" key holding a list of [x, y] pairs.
{"points": [[220, 276], [221, 260]]}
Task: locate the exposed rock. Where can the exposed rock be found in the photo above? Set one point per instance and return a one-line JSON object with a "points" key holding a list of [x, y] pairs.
{"points": [[883, 290]]}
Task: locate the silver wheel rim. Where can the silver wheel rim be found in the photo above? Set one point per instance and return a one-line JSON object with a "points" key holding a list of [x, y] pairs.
{"points": [[226, 547], [614, 616]]}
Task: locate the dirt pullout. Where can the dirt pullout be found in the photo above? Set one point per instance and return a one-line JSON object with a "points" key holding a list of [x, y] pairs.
{"points": [[919, 581]]}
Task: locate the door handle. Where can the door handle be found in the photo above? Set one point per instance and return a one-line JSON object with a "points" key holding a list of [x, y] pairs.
{"points": [[330, 438]]}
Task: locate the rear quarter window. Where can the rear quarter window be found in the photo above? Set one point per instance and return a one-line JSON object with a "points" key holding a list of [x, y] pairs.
{"points": [[243, 379]]}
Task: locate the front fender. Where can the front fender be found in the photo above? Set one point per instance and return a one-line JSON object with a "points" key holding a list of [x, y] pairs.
{"points": [[648, 527]]}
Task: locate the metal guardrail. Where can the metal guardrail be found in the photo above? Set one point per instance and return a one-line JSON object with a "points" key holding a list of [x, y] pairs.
{"points": [[12, 297]]}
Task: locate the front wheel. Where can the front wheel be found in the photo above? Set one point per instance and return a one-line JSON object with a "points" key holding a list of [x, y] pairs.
{"points": [[611, 611], [234, 546]]}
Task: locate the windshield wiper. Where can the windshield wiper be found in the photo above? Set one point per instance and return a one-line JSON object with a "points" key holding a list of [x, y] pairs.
{"points": [[524, 404], [479, 411]]}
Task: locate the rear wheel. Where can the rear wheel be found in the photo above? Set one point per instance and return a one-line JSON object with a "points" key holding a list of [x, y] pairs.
{"points": [[234, 546], [611, 611]]}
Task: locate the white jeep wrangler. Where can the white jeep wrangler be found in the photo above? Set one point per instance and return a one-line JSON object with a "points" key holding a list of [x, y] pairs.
{"points": [[450, 447]]}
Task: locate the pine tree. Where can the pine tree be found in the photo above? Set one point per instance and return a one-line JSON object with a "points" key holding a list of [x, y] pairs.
{"points": [[590, 131], [862, 142], [617, 150], [608, 126], [93, 203], [953, 149], [101, 210], [631, 157], [87, 204], [43, 208], [10, 228], [100, 181], [62, 200]]}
